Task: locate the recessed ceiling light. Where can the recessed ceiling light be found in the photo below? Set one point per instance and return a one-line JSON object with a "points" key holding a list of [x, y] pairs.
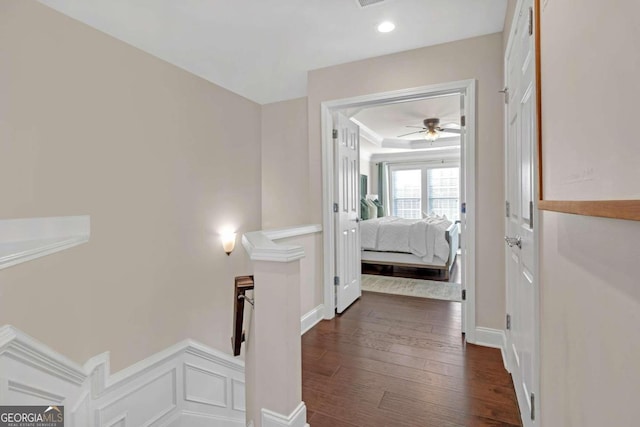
{"points": [[386, 27]]}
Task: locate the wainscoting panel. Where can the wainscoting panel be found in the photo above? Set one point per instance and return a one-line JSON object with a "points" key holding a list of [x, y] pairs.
{"points": [[188, 384]]}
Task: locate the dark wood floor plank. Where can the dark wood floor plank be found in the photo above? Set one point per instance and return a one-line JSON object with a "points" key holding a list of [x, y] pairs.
{"points": [[427, 384], [401, 361], [421, 409], [352, 411], [322, 420], [369, 353]]}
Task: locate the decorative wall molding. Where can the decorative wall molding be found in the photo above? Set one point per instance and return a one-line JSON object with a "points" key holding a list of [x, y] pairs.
{"points": [[185, 384], [26, 239], [493, 338], [310, 319], [297, 418], [260, 245]]}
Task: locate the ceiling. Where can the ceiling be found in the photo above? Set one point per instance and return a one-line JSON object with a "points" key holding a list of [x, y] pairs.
{"points": [[263, 50], [392, 120], [381, 126]]}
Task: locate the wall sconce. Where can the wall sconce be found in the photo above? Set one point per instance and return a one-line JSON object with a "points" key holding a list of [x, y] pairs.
{"points": [[228, 242]]}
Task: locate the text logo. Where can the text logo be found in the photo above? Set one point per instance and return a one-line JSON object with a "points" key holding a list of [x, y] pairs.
{"points": [[31, 416]]}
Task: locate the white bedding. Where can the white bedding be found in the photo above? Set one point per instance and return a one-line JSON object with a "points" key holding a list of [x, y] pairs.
{"points": [[424, 238]]}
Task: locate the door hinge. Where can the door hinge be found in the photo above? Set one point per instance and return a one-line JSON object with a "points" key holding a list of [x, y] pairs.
{"points": [[464, 295], [335, 207], [507, 208], [530, 21], [463, 121], [531, 214], [336, 280], [463, 208], [335, 134], [505, 91], [508, 322], [533, 407]]}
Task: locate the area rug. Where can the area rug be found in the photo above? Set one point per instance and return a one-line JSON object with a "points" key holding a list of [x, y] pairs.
{"points": [[412, 287]]}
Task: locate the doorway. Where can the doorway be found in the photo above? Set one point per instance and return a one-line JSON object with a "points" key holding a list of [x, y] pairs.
{"points": [[467, 91]]}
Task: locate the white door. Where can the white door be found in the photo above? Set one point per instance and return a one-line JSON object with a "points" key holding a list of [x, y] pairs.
{"points": [[521, 240], [347, 207]]}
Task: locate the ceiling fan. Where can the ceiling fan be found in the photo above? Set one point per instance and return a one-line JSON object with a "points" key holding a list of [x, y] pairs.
{"points": [[431, 129]]}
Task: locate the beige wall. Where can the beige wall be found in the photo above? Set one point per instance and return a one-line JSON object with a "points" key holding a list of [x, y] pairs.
{"points": [[590, 312], [477, 58], [590, 290], [285, 180], [159, 158], [311, 289]]}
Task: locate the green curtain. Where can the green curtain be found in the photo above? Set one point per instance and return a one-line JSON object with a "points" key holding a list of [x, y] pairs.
{"points": [[383, 185]]}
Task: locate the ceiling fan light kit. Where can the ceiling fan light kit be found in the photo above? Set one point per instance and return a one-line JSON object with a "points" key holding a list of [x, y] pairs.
{"points": [[431, 135]]}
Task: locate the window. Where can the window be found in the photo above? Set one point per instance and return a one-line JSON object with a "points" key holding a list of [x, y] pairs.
{"points": [[443, 190], [421, 188], [406, 188]]}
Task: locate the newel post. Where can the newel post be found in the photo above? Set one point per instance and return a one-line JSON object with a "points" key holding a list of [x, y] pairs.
{"points": [[273, 362]]}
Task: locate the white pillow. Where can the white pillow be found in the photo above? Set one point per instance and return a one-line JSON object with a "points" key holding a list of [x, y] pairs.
{"points": [[373, 209]]}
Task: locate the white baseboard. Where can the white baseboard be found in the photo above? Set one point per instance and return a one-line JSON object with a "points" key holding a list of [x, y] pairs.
{"points": [[187, 381], [297, 418], [494, 338], [311, 319]]}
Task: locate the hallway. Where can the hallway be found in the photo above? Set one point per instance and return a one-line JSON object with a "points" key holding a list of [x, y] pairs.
{"points": [[400, 361]]}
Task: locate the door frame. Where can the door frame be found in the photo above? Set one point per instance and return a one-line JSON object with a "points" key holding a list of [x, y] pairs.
{"points": [[468, 196], [508, 358]]}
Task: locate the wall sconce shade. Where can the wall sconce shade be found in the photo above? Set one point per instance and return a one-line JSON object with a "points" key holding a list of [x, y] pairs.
{"points": [[228, 242]]}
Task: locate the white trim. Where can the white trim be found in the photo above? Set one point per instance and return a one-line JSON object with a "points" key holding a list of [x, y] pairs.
{"points": [[493, 338], [420, 156], [21, 346], [95, 398], [368, 134], [468, 87], [196, 419], [297, 418], [311, 319], [26, 239], [284, 233], [261, 248]]}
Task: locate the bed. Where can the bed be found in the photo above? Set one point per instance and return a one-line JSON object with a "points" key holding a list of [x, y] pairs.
{"points": [[430, 242]]}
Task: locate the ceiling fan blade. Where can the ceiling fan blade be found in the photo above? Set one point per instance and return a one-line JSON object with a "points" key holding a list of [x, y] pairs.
{"points": [[449, 130], [418, 127], [410, 133]]}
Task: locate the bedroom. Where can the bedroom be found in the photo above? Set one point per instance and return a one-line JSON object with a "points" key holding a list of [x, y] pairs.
{"points": [[410, 197]]}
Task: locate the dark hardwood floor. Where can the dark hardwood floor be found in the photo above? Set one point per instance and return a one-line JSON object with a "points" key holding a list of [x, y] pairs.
{"points": [[392, 360]]}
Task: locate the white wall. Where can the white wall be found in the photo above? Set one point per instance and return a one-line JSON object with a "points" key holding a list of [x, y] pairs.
{"points": [[590, 290], [159, 158], [477, 58]]}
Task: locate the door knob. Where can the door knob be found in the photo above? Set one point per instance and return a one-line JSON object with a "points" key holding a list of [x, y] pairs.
{"points": [[514, 241]]}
